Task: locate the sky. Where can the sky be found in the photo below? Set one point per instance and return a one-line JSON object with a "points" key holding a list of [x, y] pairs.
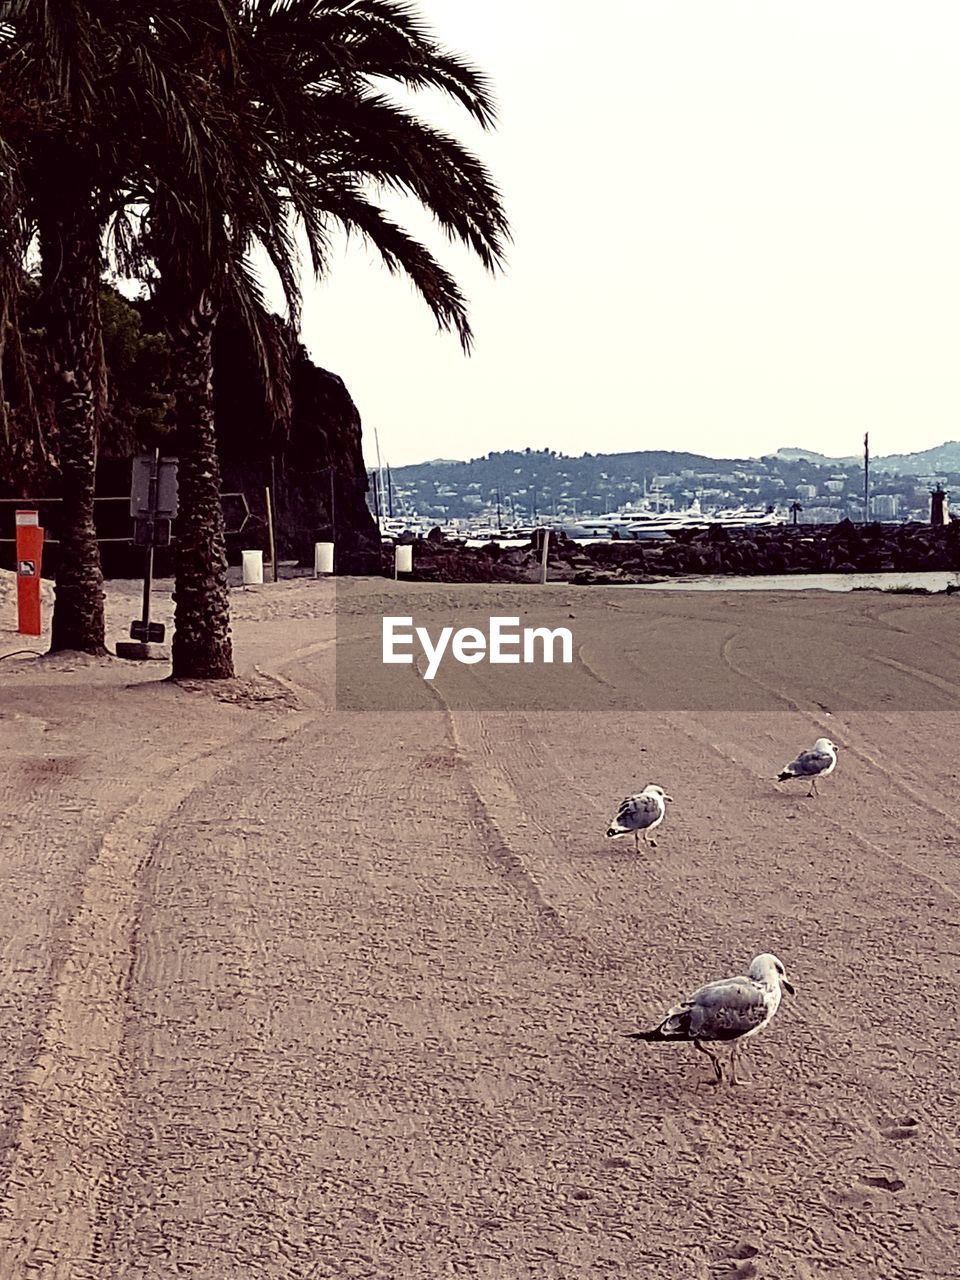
{"points": [[736, 227]]}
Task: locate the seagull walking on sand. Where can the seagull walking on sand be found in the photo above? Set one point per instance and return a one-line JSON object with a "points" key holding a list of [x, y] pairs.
{"points": [[812, 764], [639, 814], [732, 1009]]}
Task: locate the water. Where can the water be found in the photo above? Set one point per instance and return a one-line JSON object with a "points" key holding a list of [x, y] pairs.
{"points": [[932, 580]]}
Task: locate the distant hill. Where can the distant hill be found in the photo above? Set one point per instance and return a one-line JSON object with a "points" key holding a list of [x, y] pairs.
{"points": [[529, 481], [943, 458], [811, 455], [493, 465]]}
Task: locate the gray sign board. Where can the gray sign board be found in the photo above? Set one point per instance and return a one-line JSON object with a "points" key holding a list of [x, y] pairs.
{"points": [[145, 499]]}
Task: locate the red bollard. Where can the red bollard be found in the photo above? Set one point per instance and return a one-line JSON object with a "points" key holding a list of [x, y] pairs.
{"points": [[29, 556]]}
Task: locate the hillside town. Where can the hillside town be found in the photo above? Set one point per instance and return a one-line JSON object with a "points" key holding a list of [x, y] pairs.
{"points": [[533, 487]]}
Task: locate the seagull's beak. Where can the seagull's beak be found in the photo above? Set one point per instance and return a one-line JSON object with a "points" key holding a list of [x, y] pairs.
{"points": [[787, 986]]}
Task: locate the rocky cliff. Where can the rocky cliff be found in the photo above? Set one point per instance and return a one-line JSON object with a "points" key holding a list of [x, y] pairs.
{"points": [[313, 464], [312, 456]]}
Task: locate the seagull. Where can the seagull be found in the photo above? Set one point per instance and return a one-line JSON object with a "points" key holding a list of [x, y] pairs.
{"points": [[639, 814], [812, 764], [731, 1009]]}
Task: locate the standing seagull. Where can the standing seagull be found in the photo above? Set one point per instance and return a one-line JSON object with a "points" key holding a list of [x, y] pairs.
{"points": [[639, 814], [731, 1009], [812, 764]]}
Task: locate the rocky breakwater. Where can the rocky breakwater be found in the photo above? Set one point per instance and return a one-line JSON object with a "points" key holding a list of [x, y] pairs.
{"points": [[784, 549], [839, 548], [436, 559]]}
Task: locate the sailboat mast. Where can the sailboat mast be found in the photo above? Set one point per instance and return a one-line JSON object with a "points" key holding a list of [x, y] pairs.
{"points": [[381, 503]]}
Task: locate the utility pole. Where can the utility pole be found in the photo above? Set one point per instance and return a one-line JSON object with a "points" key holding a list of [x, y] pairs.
{"points": [[499, 519], [866, 476]]}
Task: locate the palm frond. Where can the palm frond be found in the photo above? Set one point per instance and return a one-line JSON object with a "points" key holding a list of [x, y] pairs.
{"points": [[370, 138], [360, 40], [401, 253]]}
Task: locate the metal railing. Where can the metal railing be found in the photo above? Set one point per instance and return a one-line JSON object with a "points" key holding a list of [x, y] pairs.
{"points": [[40, 502]]}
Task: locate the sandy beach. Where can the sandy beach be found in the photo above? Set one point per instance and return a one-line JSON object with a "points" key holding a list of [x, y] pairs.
{"points": [[294, 992]]}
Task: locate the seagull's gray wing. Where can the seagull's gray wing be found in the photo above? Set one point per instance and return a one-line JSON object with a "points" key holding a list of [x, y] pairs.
{"points": [[809, 763], [637, 812], [721, 1010]]}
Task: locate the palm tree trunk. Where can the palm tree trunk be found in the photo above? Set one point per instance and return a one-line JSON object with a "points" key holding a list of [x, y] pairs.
{"points": [[70, 258], [201, 639]]}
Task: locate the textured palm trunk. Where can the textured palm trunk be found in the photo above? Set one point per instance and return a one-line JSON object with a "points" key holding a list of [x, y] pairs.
{"points": [[70, 257], [201, 638]]}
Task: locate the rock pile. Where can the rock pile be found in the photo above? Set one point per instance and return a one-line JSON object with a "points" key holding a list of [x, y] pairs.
{"points": [[840, 548]]}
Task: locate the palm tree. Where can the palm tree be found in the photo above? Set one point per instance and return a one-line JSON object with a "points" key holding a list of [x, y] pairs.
{"points": [[290, 134], [226, 124], [80, 92], [49, 112]]}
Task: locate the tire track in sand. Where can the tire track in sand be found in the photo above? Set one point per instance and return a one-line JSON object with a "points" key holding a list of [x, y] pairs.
{"points": [[862, 1182], [55, 1213], [498, 848]]}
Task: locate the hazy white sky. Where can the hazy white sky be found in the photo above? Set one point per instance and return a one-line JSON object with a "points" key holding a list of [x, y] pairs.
{"points": [[736, 226]]}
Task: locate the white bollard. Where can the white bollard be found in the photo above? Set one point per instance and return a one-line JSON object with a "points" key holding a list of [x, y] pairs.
{"points": [[252, 568], [546, 552], [322, 558], [402, 559]]}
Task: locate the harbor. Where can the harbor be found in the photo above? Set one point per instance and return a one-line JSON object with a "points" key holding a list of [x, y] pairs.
{"points": [[639, 525]]}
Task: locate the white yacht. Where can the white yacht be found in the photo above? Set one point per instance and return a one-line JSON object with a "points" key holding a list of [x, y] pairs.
{"points": [[662, 524]]}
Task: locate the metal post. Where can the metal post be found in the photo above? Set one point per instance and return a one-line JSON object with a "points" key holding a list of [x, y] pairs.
{"points": [[866, 476], [273, 544], [148, 570], [147, 580], [381, 504], [272, 501]]}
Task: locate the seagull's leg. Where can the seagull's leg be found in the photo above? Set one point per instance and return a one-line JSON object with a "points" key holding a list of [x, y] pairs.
{"points": [[717, 1065], [636, 841], [733, 1063], [813, 788], [741, 1050]]}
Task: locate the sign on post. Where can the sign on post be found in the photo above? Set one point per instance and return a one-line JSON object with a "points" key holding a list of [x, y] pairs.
{"points": [[147, 501], [147, 632], [150, 533], [153, 504], [29, 558]]}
